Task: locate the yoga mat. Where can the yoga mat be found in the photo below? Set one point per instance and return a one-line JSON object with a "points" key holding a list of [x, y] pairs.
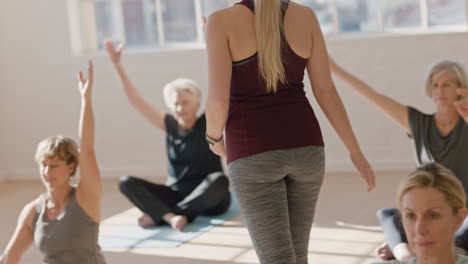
{"points": [[122, 230]]}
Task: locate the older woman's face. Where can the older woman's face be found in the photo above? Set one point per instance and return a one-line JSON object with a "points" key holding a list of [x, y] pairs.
{"points": [[444, 85], [55, 172], [429, 221], [185, 106]]}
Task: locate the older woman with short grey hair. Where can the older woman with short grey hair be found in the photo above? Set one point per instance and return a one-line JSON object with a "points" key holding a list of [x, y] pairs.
{"points": [[439, 137], [196, 184]]}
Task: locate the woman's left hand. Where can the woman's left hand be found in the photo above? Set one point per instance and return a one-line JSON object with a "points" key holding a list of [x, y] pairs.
{"points": [[365, 170], [462, 106], [219, 149], [86, 85]]}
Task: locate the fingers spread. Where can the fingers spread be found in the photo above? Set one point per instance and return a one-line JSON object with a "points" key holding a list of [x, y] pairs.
{"points": [[462, 92], [462, 107], [90, 71], [120, 47], [109, 46], [80, 77]]}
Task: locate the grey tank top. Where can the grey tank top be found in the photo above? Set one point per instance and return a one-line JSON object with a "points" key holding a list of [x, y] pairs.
{"points": [[71, 238], [450, 150]]}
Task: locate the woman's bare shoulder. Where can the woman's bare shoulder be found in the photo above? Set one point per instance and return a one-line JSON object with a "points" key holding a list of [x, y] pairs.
{"points": [[300, 9], [228, 18], [27, 213], [304, 15], [232, 12]]}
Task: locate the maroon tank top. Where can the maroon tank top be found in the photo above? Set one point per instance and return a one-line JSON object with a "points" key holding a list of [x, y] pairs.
{"points": [[259, 121]]}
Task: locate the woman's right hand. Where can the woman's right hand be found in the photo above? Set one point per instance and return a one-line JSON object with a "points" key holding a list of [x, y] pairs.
{"points": [[365, 170], [462, 106], [151, 113], [219, 149], [114, 53], [86, 85]]}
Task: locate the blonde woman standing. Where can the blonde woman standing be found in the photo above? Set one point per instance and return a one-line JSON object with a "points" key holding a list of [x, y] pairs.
{"points": [[257, 54]]}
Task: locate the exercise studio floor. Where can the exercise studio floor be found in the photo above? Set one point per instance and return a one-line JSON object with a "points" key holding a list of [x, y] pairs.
{"points": [[345, 229]]}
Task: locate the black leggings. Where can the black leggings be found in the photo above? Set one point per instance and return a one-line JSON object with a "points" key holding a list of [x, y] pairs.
{"points": [[390, 220], [210, 197]]}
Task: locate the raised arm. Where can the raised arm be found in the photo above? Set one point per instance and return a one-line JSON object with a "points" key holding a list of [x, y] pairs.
{"points": [[397, 112], [151, 113], [89, 188], [22, 237], [331, 104], [219, 78]]}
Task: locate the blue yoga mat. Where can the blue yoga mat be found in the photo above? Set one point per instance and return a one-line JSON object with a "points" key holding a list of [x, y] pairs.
{"points": [[132, 236]]}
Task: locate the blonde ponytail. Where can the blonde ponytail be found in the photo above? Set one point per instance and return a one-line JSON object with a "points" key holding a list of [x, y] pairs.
{"points": [[269, 25]]}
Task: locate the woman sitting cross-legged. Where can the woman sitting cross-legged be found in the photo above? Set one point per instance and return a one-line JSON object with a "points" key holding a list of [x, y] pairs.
{"points": [[63, 222], [197, 184]]}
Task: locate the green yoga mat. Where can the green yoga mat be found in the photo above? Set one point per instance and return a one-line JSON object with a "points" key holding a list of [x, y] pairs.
{"points": [[129, 235]]}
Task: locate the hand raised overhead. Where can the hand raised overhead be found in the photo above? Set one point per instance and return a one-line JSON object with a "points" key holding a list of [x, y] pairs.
{"points": [[86, 85], [115, 53]]}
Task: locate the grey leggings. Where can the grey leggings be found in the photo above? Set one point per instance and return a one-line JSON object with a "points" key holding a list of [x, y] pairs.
{"points": [[277, 192]]}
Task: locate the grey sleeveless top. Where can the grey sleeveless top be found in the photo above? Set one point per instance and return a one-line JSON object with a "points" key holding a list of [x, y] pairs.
{"points": [[450, 151], [69, 239]]}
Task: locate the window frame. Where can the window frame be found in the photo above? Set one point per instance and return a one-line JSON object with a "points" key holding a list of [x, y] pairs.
{"points": [[83, 31]]}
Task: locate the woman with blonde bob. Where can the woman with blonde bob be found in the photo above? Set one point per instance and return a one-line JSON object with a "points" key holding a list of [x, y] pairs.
{"points": [[441, 137], [432, 202], [258, 51], [64, 221]]}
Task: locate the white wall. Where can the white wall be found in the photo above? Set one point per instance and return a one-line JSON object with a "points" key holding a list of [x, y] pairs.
{"points": [[3, 87], [41, 97]]}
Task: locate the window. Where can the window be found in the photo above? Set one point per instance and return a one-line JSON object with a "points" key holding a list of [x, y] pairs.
{"points": [[401, 14], [138, 23], [377, 16], [178, 23], [446, 12]]}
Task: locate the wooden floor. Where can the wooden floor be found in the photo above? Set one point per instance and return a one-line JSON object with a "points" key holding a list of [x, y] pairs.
{"points": [[345, 230]]}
